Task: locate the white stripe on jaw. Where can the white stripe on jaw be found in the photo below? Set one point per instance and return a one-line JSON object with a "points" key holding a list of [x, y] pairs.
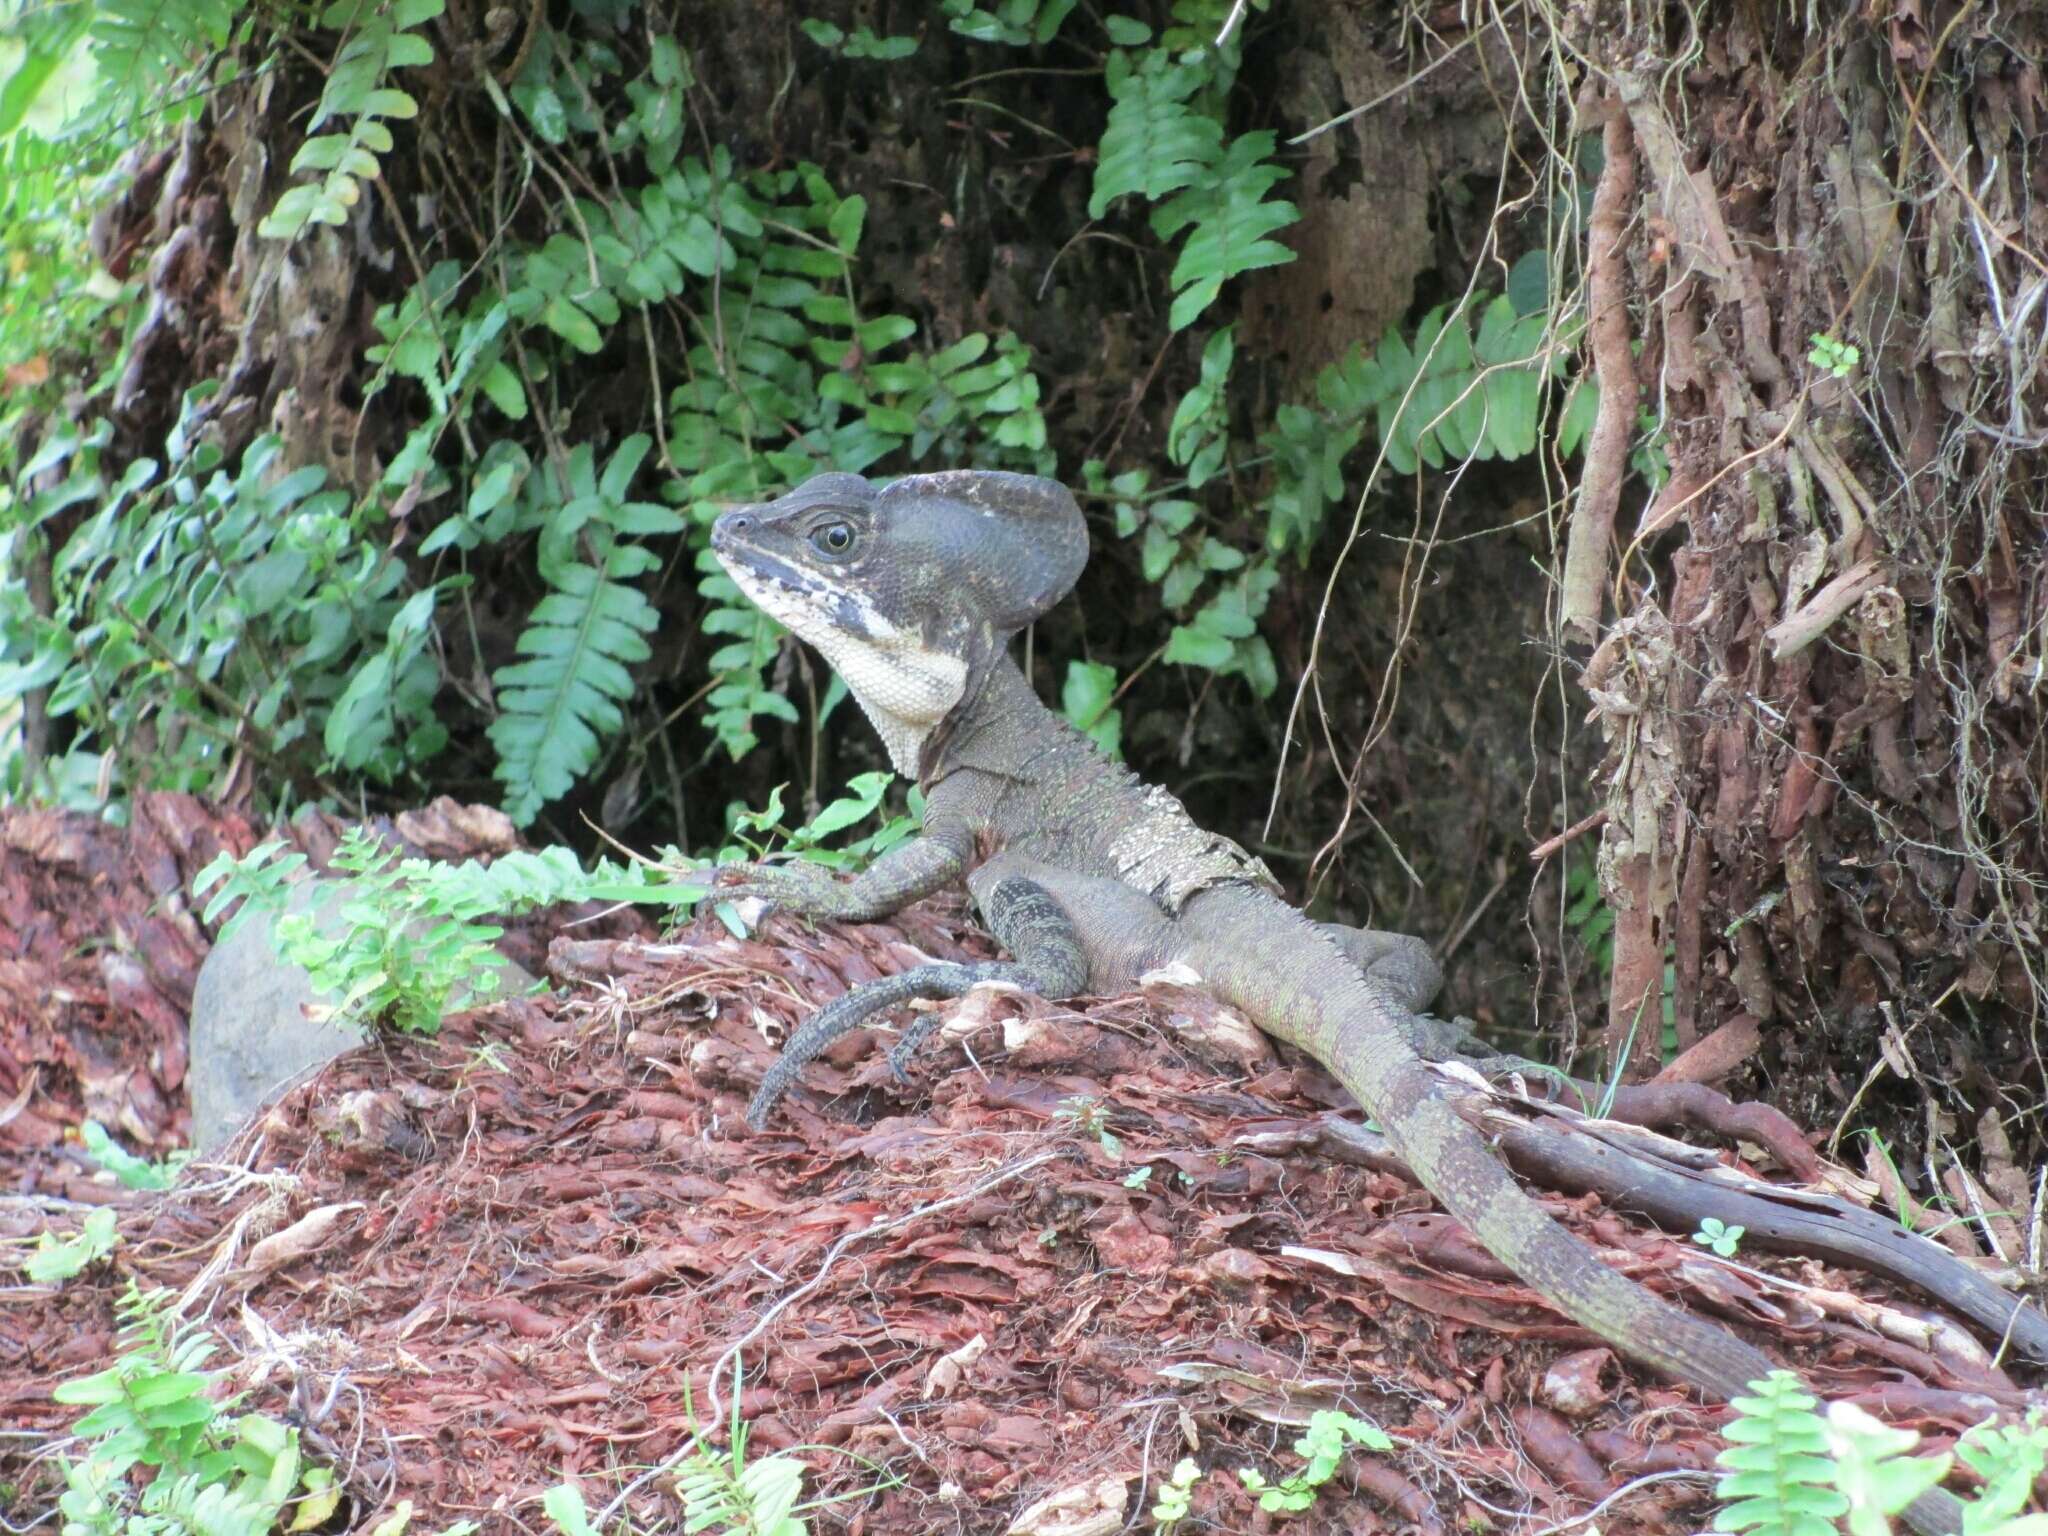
{"points": [[904, 686]]}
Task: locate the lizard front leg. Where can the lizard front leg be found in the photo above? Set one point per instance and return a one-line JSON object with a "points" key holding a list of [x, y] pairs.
{"points": [[1025, 920], [910, 871]]}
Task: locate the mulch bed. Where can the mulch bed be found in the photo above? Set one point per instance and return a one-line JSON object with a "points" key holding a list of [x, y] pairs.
{"points": [[535, 1247]]}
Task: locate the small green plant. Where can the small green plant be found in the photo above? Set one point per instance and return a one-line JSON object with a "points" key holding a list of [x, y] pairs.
{"points": [[1329, 1434], [1833, 355], [396, 949], [1790, 1471], [133, 1172], [56, 1260], [407, 937], [217, 1472], [398, 942], [1081, 1115], [1874, 1471], [756, 834], [1139, 1178], [860, 43], [1724, 1239], [2010, 1459], [1173, 1503]]}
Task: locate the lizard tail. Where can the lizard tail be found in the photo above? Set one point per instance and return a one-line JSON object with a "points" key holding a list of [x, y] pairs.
{"points": [[1266, 959], [1276, 966]]}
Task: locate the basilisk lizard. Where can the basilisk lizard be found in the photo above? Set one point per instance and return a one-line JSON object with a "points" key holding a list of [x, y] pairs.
{"points": [[1089, 878]]}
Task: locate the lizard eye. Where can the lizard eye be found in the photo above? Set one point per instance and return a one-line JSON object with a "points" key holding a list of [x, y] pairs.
{"points": [[833, 540]]}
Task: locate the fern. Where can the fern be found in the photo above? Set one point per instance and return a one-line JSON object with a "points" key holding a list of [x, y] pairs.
{"points": [[1777, 1472], [143, 48], [557, 703], [1447, 396], [1162, 142], [560, 290], [380, 43], [1199, 434], [782, 374], [217, 1474], [453, 355], [861, 43], [1156, 142], [384, 719], [1228, 221]]}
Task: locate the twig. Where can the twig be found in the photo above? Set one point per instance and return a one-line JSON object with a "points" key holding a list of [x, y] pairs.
{"points": [[1572, 833], [1687, 1476], [1230, 22]]}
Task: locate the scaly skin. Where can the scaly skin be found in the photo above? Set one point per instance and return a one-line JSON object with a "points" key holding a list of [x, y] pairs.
{"points": [[946, 567]]}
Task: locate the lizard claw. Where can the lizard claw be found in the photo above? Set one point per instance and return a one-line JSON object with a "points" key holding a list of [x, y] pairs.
{"points": [[1452, 1039]]}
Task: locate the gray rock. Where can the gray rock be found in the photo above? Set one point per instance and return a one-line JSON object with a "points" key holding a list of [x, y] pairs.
{"points": [[251, 1037]]}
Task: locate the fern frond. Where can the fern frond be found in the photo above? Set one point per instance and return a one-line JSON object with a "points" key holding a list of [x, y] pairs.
{"points": [[1155, 142], [1018, 23], [1230, 221], [1777, 1473], [556, 704], [144, 47], [355, 90]]}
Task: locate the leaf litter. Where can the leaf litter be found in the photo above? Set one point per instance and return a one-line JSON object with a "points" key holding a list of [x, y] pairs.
{"points": [[1013, 1291]]}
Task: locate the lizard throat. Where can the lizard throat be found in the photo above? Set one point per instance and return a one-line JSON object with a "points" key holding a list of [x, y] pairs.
{"points": [[903, 685]]}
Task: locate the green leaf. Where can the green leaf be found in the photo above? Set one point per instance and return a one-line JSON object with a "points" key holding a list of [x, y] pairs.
{"points": [[845, 225], [1087, 701], [563, 697], [564, 1505], [404, 51], [504, 390], [1528, 286], [572, 325], [885, 331], [1228, 223], [1196, 647], [394, 103]]}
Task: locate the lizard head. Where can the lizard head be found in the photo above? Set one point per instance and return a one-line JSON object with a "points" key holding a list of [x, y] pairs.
{"points": [[909, 589]]}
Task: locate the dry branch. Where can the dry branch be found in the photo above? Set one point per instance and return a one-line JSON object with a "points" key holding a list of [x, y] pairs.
{"points": [[1592, 523]]}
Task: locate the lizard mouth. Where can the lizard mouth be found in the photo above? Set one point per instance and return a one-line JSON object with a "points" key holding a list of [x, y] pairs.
{"points": [[800, 599]]}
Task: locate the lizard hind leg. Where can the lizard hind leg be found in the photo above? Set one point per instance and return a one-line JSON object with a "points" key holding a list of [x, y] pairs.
{"points": [[1025, 920], [1408, 969], [1400, 962]]}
